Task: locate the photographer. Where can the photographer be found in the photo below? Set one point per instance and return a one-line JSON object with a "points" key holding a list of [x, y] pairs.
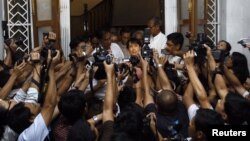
{"points": [[174, 44], [224, 46], [170, 112]]}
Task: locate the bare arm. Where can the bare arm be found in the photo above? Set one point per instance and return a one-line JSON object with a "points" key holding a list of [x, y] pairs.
{"points": [[109, 95], [163, 78], [219, 82], [51, 95], [188, 96], [8, 59], [8, 86], [138, 91], [147, 99], [234, 82], [197, 85]]}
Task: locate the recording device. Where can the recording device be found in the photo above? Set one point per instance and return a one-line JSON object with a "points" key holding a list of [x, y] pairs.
{"points": [[48, 46], [35, 57], [134, 60], [188, 35], [244, 42], [199, 41], [146, 52], [46, 34], [198, 48], [102, 55], [18, 41]]}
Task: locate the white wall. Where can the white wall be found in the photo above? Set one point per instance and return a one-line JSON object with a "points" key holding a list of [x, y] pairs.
{"points": [[235, 23]]}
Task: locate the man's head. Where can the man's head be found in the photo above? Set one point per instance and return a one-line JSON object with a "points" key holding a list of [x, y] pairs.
{"points": [[174, 41], [203, 121], [125, 35], [72, 105], [78, 44], [105, 38], [155, 24], [19, 118], [166, 102]]}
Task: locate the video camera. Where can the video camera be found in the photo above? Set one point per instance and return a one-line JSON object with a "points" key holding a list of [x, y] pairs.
{"points": [[198, 43], [201, 53], [49, 46], [134, 60], [244, 42], [102, 55], [18, 41], [146, 52]]}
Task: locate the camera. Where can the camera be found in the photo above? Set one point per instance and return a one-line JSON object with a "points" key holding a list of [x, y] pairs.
{"points": [[46, 34], [102, 55], [198, 48], [146, 51], [18, 41], [48, 46], [134, 60], [244, 42], [198, 43]]}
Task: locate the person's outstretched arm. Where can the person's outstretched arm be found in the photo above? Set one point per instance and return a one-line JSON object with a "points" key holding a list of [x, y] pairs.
{"points": [[197, 85]]}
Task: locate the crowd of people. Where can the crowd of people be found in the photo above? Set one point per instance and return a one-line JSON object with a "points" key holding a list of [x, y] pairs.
{"points": [[113, 89]]}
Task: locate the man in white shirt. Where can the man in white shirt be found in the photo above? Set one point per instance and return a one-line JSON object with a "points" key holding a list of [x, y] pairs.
{"points": [[106, 44], [158, 39], [109, 46]]}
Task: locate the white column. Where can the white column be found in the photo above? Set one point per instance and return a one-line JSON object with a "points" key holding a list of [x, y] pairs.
{"points": [[65, 25], [1, 31], [171, 19]]}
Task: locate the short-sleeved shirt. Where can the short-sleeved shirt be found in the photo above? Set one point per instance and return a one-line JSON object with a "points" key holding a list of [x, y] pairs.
{"points": [[37, 131]]}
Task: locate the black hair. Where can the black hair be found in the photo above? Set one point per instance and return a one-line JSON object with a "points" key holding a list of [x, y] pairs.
{"points": [[176, 38], [167, 101], [157, 21], [237, 109], [120, 136], [205, 118], [94, 107], [127, 95], [228, 47], [240, 66], [130, 121], [3, 120], [72, 105], [100, 33], [80, 131], [125, 30], [134, 41], [77, 40], [19, 118]]}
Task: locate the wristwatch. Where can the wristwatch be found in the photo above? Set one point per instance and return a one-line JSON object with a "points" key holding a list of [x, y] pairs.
{"points": [[159, 65], [95, 118]]}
